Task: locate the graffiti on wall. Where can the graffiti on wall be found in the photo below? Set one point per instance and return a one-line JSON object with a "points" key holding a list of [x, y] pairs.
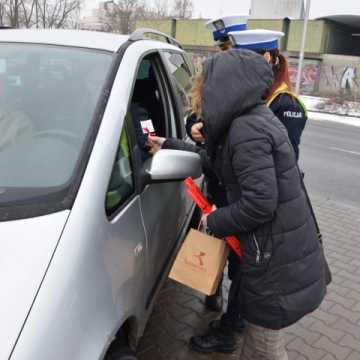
{"points": [[343, 79], [310, 75], [348, 79]]}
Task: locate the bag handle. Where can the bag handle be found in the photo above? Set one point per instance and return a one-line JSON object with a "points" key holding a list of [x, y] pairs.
{"points": [[309, 203], [328, 275]]}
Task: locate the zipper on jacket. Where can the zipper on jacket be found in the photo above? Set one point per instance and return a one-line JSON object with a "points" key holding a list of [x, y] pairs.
{"points": [[258, 253]]}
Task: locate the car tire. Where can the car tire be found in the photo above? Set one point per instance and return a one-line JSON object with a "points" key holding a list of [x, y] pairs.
{"points": [[121, 353]]}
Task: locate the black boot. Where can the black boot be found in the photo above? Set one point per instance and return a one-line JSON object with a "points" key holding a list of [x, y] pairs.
{"points": [[214, 341], [215, 302]]}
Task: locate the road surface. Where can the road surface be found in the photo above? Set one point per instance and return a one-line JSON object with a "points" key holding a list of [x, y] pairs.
{"points": [[330, 158]]}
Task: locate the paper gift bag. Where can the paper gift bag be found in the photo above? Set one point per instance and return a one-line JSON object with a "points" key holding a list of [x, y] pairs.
{"points": [[200, 262]]}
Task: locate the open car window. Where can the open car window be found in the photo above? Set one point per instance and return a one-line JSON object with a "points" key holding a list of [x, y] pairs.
{"points": [[150, 109]]}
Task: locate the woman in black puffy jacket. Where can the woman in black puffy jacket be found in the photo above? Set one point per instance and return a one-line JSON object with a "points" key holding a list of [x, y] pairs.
{"points": [[283, 267]]}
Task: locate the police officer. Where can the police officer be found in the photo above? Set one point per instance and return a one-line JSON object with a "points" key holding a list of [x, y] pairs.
{"points": [[288, 108]]}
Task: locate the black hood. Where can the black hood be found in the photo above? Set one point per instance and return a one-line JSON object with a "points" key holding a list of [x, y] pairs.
{"points": [[234, 82]]}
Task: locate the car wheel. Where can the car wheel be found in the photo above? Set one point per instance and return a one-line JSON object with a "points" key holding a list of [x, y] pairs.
{"points": [[120, 350], [123, 353]]}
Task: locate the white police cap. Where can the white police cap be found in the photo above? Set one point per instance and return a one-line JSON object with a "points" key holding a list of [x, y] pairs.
{"points": [[220, 27], [256, 39]]}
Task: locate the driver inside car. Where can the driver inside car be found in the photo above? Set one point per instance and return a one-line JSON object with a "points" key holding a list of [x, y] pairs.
{"points": [[143, 126]]}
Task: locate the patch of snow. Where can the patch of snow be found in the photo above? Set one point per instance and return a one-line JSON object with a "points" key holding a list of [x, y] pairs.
{"points": [[346, 120], [331, 106]]}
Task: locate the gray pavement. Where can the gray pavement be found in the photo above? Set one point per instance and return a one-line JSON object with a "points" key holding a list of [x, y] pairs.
{"points": [[333, 331]]}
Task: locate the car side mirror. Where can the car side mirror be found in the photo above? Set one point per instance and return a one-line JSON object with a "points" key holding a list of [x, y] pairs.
{"points": [[171, 165]]}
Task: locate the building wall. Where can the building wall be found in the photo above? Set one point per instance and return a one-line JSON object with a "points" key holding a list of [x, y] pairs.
{"points": [[339, 39], [315, 38], [270, 24], [160, 25], [193, 32]]}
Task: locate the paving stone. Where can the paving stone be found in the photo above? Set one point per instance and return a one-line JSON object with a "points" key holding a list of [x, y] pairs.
{"points": [[307, 335], [343, 300], [323, 329], [293, 355], [325, 316], [329, 357], [350, 342], [348, 328], [355, 262], [305, 350], [347, 275], [354, 356], [330, 333], [327, 304], [354, 294], [345, 266], [339, 310], [338, 351]]}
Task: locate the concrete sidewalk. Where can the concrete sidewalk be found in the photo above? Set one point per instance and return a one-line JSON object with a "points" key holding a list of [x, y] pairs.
{"points": [[330, 333]]}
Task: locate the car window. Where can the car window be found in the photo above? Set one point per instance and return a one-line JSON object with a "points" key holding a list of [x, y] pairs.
{"points": [[182, 76], [48, 97], [121, 184], [150, 111]]}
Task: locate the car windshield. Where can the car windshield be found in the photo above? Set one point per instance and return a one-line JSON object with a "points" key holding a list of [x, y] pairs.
{"points": [[48, 97]]}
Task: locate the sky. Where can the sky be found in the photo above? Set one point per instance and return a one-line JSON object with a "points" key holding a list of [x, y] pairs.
{"points": [[319, 8], [213, 8]]}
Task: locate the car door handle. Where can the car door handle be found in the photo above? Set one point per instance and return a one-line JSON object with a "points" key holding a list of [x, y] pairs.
{"points": [[138, 250]]}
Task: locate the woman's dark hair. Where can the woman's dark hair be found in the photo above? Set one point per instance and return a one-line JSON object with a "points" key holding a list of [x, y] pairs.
{"points": [[280, 67]]}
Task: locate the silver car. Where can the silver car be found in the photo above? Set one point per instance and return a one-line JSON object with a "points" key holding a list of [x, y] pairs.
{"points": [[89, 221]]}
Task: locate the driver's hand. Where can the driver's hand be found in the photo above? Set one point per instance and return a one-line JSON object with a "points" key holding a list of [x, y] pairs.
{"points": [[196, 132], [155, 143]]}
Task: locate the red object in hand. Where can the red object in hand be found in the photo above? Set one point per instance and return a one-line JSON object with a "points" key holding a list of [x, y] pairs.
{"points": [[203, 203]]}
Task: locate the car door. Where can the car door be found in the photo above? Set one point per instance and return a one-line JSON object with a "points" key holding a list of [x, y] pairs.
{"points": [[164, 206], [124, 248]]}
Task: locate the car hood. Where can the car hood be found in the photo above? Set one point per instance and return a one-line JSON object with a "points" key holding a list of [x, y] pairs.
{"points": [[26, 248]]}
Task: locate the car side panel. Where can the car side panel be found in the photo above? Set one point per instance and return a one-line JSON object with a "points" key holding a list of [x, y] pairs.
{"points": [[96, 278]]}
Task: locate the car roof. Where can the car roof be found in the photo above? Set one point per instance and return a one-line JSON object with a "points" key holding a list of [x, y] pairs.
{"points": [[77, 38]]}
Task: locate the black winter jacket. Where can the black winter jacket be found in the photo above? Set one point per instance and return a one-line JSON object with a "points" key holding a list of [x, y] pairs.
{"points": [[293, 116], [283, 271], [215, 191]]}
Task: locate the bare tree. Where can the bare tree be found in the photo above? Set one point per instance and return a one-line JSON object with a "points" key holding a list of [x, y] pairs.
{"points": [[57, 13], [11, 9], [27, 8], [39, 13], [183, 9], [160, 9], [120, 16], [2, 14]]}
